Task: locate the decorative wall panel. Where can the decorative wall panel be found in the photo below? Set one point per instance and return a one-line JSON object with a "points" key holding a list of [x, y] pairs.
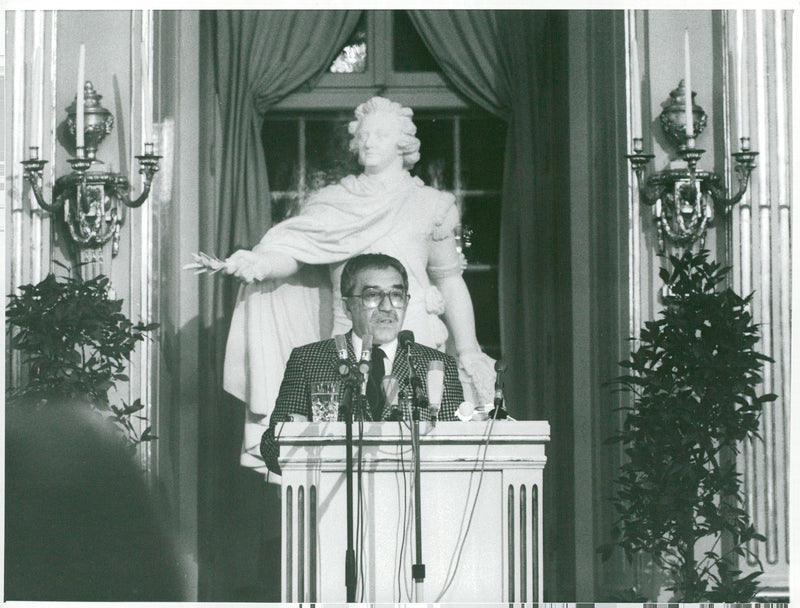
{"points": [[761, 258]]}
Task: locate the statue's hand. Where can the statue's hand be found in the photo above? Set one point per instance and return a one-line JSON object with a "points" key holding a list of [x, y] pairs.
{"points": [[247, 266], [480, 368]]}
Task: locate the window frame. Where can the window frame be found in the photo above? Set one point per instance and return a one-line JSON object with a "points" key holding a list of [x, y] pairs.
{"points": [[420, 90]]}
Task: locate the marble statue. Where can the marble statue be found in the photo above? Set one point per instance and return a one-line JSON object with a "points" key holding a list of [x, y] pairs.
{"points": [[282, 304]]}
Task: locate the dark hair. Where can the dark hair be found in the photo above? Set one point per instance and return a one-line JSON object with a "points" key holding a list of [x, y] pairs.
{"points": [[359, 263], [81, 523]]}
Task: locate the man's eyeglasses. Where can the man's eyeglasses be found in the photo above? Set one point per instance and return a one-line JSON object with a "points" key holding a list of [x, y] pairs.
{"points": [[371, 298]]}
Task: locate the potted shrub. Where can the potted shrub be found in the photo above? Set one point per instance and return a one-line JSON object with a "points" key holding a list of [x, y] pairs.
{"points": [[74, 342], [693, 382]]}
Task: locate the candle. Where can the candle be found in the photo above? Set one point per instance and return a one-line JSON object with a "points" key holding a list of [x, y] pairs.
{"points": [[636, 90], [79, 125], [147, 102], [36, 89], [739, 66], [687, 81], [744, 92]]}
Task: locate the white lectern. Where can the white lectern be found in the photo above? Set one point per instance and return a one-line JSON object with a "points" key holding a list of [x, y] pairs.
{"points": [[481, 488]]}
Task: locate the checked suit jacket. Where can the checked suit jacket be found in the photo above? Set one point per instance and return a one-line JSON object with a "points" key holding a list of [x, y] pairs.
{"points": [[319, 362]]}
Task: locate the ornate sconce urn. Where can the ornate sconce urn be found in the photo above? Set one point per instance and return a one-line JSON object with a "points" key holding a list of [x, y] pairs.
{"points": [[98, 121], [684, 200], [673, 116], [93, 202]]}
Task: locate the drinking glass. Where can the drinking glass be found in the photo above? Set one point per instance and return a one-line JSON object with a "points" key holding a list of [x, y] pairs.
{"points": [[324, 401]]}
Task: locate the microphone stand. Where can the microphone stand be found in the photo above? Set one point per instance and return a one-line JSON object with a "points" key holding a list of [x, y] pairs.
{"points": [[417, 401], [348, 382], [499, 412]]}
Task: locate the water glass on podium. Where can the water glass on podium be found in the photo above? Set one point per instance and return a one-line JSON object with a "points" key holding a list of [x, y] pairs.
{"points": [[324, 401]]}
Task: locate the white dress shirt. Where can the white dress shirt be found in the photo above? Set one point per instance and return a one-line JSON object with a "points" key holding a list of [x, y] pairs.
{"points": [[389, 349]]}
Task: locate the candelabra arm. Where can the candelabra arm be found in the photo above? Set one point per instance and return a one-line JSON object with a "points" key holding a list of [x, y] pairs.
{"points": [[718, 194], [650, 191], [121, 193], [745, 163], [58, 203], [32, 172], [148, 166]]}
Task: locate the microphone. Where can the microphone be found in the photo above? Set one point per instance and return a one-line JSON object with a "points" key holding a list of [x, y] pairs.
{"points": [[341, 347], [363, 364], [499, 411], [391, 388], [366, 354], [405, 339], [435, 387]]}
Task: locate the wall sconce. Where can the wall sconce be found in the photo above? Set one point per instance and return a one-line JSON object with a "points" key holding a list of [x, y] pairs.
{"points": [[684, 199], [93, 202]]}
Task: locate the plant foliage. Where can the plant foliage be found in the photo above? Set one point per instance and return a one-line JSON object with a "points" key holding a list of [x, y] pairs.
{"points": [[693, 381], [75, 342]]}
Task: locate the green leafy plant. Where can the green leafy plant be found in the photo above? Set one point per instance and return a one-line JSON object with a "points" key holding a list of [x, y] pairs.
{"points": [[693, 381], [75, 342]]}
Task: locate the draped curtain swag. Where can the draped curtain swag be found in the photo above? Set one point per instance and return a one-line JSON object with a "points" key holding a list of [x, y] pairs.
{"points": [[262, 57]]}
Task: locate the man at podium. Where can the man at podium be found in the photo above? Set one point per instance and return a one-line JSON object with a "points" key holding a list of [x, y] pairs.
{"points": [[375, 297]]}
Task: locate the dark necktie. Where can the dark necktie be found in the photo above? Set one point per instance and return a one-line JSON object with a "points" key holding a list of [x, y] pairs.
{"points": [[375, 394]]}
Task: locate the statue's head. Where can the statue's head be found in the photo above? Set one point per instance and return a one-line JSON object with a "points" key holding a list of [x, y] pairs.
{"points": [[382, 109]]}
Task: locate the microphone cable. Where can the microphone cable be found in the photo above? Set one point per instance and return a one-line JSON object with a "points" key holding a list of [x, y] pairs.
{"points": [[408, 520], [360, 512], [464, 531], [403, 516], [278, 430]]}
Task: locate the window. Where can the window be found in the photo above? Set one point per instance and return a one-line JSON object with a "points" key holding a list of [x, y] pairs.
{"points": [[384, 55], [462, 152]]}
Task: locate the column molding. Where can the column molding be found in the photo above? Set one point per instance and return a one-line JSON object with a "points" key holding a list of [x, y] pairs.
{"points": [[761, 258]]}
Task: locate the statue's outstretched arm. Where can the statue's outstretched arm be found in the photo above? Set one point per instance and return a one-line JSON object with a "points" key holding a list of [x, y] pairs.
{"points": [[256, 265]]}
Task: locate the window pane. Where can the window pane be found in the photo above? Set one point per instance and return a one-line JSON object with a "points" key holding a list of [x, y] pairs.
{"points": [[280, 141], [435, 166], [352, 59], [483, 291], [483, 149], [409, 51], [328, 158], [482, 215]]}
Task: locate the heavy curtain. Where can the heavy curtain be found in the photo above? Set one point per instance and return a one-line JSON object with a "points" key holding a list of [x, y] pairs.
{"points": [[513, 64], [260, 57], [503, 61]]}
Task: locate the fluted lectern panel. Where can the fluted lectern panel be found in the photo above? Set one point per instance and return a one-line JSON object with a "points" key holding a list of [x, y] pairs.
{"points": [[481, 515]]}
